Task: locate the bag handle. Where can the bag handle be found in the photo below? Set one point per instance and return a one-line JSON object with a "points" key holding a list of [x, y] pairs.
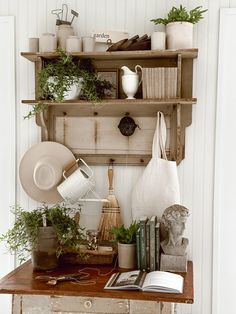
{"points": [[159, 140]]}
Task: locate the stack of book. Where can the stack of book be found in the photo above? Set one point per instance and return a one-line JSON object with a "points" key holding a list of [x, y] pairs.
{"points": [[159, 82], [148, 244]]}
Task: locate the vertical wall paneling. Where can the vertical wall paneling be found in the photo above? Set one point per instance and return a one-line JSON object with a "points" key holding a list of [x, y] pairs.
{"points": [[225, 171], [8, 143]]}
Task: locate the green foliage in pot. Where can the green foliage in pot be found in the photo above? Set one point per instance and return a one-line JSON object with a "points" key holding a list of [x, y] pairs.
{"points": [[58, 75], [181, 15], [22, 238], [125, 235]]}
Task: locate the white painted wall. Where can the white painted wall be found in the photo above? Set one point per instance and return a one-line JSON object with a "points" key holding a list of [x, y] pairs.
{"points": [[196, 171], [7, 140], [224, 275]]}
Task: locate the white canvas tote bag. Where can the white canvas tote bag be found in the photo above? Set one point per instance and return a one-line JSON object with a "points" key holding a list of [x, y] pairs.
{"points": [[158, 186]]}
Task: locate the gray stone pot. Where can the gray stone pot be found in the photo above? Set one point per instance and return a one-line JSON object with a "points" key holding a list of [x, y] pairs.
{"points": [[43, 255]]}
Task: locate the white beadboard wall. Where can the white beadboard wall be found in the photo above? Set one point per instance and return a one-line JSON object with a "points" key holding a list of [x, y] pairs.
{"points": [[32, 17]]}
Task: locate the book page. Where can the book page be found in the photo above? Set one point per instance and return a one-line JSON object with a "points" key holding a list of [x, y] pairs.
{"points": [[131, 280], [163, 281], [127, 279]]}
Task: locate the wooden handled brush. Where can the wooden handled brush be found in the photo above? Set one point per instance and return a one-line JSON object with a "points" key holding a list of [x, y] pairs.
{"points": [[110, 212]]}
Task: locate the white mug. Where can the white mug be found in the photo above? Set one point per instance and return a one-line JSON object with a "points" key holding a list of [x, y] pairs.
{"points": [[158, 41], [77, 185]]}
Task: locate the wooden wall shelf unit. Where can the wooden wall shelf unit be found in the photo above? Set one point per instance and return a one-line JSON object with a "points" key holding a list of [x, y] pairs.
{"points": [[90, 130]]}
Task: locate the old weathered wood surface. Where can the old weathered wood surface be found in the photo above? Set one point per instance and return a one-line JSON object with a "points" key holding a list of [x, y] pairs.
{"points": [[124, 55], [22, 281], [135, 150]]}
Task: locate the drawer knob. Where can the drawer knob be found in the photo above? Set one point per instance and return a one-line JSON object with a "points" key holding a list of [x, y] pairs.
{"points": [[88, 304]]}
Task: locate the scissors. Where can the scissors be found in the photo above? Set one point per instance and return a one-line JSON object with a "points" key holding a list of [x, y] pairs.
{"points": [[53, 280]]}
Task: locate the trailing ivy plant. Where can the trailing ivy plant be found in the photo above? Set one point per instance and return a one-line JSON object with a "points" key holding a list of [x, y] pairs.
{"points": [[125, 235], [181, 15], [57, 76], [23, 236]]}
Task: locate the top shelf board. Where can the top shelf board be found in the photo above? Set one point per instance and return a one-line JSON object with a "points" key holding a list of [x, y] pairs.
{"points": [[123, 55]]}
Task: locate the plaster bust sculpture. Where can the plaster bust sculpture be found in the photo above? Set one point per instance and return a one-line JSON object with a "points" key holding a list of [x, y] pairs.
{"points": [[173, 219]]}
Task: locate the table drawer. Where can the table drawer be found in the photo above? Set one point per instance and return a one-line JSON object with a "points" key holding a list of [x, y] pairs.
{"points": [[88, 305]]}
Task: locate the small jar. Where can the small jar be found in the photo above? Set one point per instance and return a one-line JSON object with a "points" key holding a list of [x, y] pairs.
{"points": [[63, 32], [47, 42], [73, 44], [44, 254]]}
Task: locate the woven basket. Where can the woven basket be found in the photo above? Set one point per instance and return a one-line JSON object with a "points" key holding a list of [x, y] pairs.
{"points": [[90, 257]]}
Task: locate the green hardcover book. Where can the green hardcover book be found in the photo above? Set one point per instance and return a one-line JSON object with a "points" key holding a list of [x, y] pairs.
{"points": [[148, 245], [153, 220], [138, 253], [142, 222], [157, 236]]}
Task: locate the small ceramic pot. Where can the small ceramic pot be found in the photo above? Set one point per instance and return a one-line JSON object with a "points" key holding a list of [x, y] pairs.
{"points": [[72, 93], [127, 255], [47, 42], [179, 35], [73, 44]]}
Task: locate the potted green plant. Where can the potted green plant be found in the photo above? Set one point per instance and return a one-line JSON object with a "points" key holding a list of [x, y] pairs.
{"points": [[45, 233], [66, 78], [126, 239], [179, 26]]}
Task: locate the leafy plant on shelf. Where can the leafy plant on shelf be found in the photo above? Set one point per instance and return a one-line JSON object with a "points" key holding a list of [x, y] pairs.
{"points": [[125, 235], [181, 15], [23, 236], [66, 71]]}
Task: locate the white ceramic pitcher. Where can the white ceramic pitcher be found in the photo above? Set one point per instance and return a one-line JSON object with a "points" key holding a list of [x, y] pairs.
{"points": [[131, 81]]}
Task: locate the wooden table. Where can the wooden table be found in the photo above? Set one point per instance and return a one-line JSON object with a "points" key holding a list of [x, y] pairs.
{"points": [[22, 282]]}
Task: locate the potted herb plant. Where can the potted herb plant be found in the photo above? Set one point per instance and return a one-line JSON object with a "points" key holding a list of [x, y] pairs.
{"points": [[45, 233], [66, 78], [126, 239], [179, 26]]}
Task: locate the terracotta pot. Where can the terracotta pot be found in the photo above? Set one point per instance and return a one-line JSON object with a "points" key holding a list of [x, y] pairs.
{"points": [[44, 254], [127, 255], [179, 35]]}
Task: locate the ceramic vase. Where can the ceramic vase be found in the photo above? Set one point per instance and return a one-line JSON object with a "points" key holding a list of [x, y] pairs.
{"points": [[63, 32], [130, 84], [72, 93]]}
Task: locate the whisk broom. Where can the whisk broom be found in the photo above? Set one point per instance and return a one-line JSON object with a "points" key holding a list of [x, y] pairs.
{"points": [[110, 212]]}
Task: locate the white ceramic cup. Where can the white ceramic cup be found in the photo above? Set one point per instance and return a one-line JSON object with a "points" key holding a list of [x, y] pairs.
{"points": [[158, 41], [73, 44], [33, 44], [88, 43], [77, 185]]}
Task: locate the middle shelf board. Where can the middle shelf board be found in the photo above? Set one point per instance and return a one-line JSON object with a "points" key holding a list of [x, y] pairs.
{"points": [[117, 107]]}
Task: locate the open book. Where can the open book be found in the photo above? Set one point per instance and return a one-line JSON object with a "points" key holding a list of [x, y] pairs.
{"points": [[155, 281]]}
